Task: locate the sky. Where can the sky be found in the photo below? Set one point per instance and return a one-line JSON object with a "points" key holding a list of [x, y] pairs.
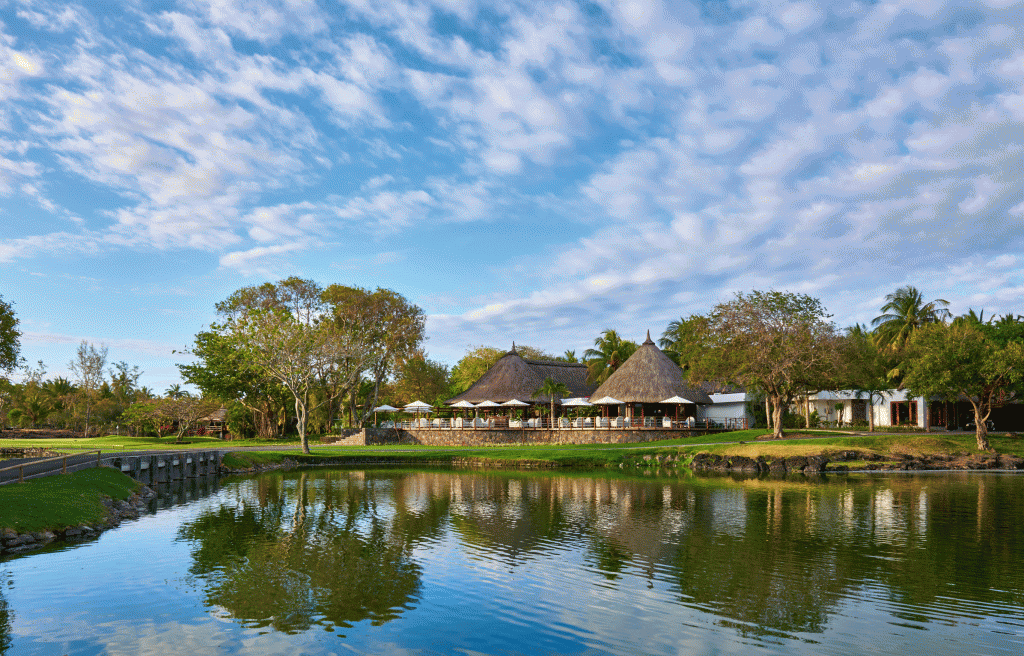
{"points": [[533, 172]]}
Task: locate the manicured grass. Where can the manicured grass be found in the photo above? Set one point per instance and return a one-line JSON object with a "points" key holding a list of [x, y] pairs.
{"points": [[586, 456], [56, 502], [125, 443]]}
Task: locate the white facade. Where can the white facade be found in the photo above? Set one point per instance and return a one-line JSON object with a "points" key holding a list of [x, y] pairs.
{"points": [[825, 403], [726, 406]]}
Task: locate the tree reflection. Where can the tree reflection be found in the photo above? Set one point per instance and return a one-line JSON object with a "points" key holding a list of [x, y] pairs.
{"points": [[300, 554], [5, 625]]}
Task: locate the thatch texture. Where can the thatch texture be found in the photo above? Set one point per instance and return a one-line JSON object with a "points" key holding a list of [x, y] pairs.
{"points": [[649, 376], [514, 377]]}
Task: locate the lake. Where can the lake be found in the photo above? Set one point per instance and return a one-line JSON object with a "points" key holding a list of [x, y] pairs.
{"points": [[328, 561]]}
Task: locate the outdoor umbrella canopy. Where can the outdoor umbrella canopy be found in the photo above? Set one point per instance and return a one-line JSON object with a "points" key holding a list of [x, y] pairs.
{"points": [[607, 400], [579, 401], [418, 406], [383, 408], [463, 404], [488, 404], [677, 400], [515, 403]]}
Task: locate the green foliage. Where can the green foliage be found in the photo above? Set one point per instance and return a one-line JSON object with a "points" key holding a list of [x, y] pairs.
{"points": [[10, 338], [421, 379], [780, 343], [904, 312], [685, 340], [55, 502], [609, 353], [967, 360]]}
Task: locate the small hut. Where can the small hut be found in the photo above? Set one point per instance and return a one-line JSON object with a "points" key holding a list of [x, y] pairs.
{"points": [[515, 377], [646, 379]]}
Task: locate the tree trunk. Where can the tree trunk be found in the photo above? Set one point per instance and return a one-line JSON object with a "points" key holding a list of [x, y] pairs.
{"points": [[768, 414], [807, 409], [300, 416], [871, 413], [980, 429], [924, 414], [779, 433]]}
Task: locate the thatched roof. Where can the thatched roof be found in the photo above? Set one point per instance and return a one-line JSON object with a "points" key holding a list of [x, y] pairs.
{"points": [[649, 376], [216, 415], [514, 377]]}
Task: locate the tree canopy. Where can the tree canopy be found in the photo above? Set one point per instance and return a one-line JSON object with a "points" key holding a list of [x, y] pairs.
{"points": [[10, 338], [780, 343], [966, 361]]}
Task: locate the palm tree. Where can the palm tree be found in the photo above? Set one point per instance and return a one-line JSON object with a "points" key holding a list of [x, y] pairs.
{"points": [[175, 392], [904, 312], [555, 390], [609, 355]]}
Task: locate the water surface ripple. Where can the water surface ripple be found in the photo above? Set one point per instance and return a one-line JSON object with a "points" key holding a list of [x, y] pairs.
{"points": [[440, 562]]}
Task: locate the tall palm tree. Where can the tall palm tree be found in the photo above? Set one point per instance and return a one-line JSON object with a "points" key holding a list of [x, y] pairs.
{"points": [[609, 355], [555, 390], [175, 392], [904, 312]]}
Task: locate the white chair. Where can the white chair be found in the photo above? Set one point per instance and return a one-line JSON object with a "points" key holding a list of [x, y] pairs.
{"points": [[588, 422], [563, 422], [602, 422], [479, 423], [515, 423], [666, 422], [618, 422]]}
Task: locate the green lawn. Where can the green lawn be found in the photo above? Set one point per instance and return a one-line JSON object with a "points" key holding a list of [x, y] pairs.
{"points": [[56, 502], [125, 443]]}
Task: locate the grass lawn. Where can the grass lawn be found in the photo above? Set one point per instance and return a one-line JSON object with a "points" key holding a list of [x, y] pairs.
{"points": [[56, 502], [610, 455], [125, 443]]}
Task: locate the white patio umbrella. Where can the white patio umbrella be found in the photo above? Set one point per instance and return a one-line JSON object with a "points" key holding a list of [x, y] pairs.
{"points": [[606, 400], [677, 400], [515, 403], [462, 405], [418, 406], [488, 404], [382, 408], [578, 402]]}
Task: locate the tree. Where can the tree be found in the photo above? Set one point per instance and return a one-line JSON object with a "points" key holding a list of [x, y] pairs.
{"points": [[186, 412], [780, 343], [965, 361], [420, 378], [684, 339], [865, 367], [175, 392], [472, 366], [610, 352], [87, 367], [10, 339], [555, 390], [903, 313]]}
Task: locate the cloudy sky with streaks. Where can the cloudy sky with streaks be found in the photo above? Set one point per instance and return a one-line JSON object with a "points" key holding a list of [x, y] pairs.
{"points": [[528, 171]]}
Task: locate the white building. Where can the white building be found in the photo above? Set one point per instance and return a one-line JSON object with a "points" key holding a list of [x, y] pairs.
{"points": [[890, 408]]}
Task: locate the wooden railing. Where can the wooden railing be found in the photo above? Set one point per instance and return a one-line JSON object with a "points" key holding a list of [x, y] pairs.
{"points": [[21, 466]]}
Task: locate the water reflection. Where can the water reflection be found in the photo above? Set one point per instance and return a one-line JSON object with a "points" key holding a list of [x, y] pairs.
{"points": [[768, 559], [301, 552], [325, 561]]}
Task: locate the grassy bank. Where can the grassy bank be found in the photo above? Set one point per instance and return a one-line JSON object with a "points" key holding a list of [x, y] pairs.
{"points": [[56, 502], [585, 456], [125, 443]]}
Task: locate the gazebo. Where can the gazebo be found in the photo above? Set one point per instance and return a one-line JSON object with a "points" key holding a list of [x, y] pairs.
{"points": [[646, 380]]}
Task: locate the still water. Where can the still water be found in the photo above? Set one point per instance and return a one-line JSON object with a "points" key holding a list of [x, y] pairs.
{"points": [[423, 562]]}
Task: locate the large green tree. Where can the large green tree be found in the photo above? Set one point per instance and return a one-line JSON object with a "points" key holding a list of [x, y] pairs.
{"points": [[965, 361], [683, 339], [10, 338], [777, 342]]}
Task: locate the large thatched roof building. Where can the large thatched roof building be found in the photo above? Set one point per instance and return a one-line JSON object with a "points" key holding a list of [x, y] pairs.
{"points": [[515, 377], [649, 376]]}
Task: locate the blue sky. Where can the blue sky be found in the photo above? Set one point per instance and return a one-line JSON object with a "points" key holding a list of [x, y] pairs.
{"points": [[526, 171]]}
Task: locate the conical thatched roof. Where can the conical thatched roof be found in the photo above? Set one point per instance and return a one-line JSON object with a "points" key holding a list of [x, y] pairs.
{"points": [[649, 376], [514, 377]]}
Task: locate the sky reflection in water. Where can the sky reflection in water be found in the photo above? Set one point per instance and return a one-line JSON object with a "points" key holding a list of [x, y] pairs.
{"points": [[325, 562]]}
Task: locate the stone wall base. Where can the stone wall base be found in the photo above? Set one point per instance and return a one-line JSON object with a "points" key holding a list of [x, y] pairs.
{"points": [[490, 437]]}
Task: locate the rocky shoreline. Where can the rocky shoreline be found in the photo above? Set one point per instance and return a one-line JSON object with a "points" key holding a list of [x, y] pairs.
{"points": [[826, 463], [12, 542]]}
